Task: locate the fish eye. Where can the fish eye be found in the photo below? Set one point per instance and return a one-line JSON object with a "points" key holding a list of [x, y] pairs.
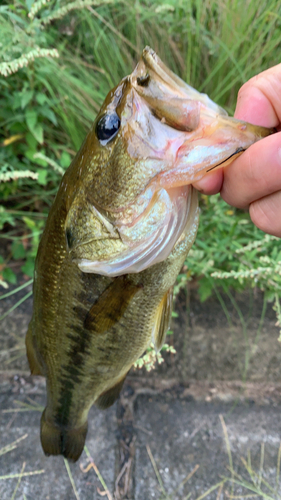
{"points": [[107, 127]]}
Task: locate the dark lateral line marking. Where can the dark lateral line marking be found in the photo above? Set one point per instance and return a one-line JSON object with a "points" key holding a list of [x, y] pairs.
{"points": [[73, 370], [239, 150]]}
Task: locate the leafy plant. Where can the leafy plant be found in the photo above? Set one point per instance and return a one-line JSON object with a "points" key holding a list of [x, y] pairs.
{"points": [[59, 58]]}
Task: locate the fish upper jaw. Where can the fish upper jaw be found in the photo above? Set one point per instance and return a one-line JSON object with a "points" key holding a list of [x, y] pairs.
{"points": [[154, 80]]}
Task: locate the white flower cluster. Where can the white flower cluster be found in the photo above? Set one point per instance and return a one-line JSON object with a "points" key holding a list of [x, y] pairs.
{"points": [[36, 7], [7, 68], [78, 4], [17, 174], [151, 357]]}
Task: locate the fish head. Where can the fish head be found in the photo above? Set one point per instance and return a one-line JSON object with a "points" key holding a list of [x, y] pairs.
{"points": [[153, 137]]}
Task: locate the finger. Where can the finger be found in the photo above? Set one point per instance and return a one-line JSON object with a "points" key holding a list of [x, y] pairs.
{"points": [[210, 183], [255, 174], [265, 214], [259, 100]]}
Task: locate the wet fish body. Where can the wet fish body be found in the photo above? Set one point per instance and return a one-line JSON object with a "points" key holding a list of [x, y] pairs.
{"points": [[117, 235]]}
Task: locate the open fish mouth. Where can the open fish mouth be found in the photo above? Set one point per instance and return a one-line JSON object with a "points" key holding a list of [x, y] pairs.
{"points": [[212, 138], [173, 135]]}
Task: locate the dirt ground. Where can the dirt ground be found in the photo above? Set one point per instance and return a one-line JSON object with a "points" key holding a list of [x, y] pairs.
{"points": [[181, 431]]}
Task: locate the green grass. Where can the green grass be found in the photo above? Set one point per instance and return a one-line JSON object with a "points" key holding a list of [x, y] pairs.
{"points": [[47, 106]]}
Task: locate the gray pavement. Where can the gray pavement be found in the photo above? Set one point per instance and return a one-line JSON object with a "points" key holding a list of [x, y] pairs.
{"points": [[49, 478], [182, 431], [172, 432]]}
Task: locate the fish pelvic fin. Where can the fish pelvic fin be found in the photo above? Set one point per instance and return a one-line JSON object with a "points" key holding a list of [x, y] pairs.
{"points": [[162, 319], [34, 365], [57, 440], [107, 398]]}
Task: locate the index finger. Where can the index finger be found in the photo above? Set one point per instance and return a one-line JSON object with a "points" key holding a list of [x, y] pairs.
{"points": [[259, 100]]}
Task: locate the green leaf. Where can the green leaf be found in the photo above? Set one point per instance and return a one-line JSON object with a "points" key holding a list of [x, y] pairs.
{"points": [[15, 17], [18, 250], [28, 268], [48, 113], [31, 224], [6, 217], [65, 159], [26, 98], [30, 156], [42, 177], [31, 119], [35, 128], [41, 98], [31, 141], [9, 275], [16, 100], [29, 3], [38, 133]]}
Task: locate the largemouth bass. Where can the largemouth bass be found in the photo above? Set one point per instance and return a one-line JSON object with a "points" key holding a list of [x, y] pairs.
{"points": [[118, 233]]}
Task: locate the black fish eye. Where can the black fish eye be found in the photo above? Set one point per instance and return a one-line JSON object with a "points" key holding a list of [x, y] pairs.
{"points": [[107, 127]]}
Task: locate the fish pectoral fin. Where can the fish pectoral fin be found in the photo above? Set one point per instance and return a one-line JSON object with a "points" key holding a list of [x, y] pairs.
{"points": [[162, 319], [57, 440], [34, 365], [107, 398], [111, 305]]}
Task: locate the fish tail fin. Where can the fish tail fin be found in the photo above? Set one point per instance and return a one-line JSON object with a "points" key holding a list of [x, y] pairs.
{"points": [[34, 365], [57, 440]]}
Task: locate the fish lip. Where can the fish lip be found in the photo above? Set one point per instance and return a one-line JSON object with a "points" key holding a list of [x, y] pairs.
{"points": [[150, 64], [154, 63], [151, 59]]}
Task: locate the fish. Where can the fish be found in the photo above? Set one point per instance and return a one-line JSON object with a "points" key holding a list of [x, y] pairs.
{"points": [[118, 233]]}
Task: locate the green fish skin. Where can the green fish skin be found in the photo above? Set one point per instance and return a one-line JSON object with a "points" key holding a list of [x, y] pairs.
{"points": [[118, 233]]}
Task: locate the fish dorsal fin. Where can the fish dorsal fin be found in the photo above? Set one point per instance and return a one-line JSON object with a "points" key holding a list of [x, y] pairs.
{"points": [[111, 305], [107, 398], [162, 319]]}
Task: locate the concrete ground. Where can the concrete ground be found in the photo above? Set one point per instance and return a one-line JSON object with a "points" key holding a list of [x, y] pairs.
{"points": [[204, 424]]}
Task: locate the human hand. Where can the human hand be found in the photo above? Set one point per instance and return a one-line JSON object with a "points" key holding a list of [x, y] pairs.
{"points": [[253, 180]]}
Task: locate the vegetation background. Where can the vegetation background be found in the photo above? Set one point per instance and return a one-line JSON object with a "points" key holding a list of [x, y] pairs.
{"points": [[58, 60]]}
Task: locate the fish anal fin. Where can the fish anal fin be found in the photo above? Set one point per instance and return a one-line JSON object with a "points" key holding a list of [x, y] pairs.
{"points": [[57, 440], [34, 365], [162, 319], [109, 397], [111, 305]]}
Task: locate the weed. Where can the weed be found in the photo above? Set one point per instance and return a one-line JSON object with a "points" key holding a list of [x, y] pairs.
{"points": [[60, 58]]}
